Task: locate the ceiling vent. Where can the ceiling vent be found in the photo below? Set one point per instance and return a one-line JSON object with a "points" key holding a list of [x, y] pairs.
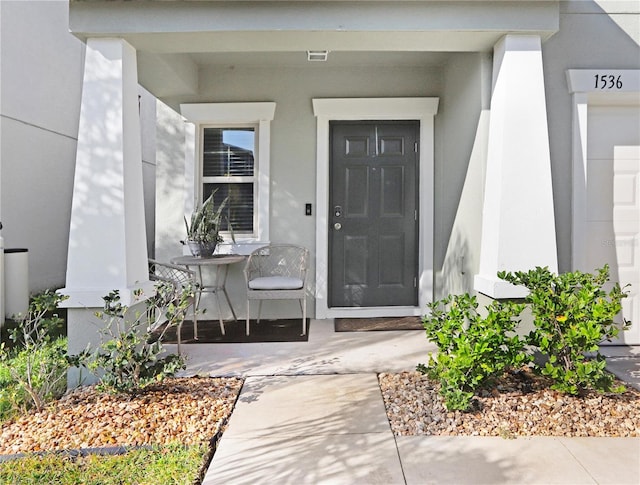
{"points": [[320, 56]]}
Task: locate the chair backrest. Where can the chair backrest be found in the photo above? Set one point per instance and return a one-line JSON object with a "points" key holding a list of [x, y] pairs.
{"points": [[278, 260], [179, 276]]}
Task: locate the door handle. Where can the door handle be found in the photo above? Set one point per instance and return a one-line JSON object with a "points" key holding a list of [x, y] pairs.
{"points": [[337, 226]]}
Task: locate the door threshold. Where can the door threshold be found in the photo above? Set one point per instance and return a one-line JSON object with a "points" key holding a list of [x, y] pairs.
{"points": [[372, 312]]}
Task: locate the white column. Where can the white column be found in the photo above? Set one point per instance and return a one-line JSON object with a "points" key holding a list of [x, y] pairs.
{"points": [[107, 248], [518, 226], [107, 241]]}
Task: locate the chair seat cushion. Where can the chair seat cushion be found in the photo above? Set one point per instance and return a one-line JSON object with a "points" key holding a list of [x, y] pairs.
{"points": [[275, 283]]}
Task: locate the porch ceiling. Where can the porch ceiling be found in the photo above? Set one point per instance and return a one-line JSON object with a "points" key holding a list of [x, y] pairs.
{"points": [[177, 39], [171, 75]]}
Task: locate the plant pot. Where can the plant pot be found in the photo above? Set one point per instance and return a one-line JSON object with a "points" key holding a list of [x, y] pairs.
{"points": [[202, 249]]}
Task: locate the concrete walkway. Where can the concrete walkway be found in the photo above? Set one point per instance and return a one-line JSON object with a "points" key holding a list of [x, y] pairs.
{"points": [[312, 413]]}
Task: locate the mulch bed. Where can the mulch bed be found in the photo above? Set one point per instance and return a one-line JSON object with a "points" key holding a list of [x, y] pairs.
{"points": [[177, 410], [514, 407], [194, 410]]}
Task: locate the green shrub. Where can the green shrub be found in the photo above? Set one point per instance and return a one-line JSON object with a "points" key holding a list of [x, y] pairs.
{"points": [[32, 377], [33, 371], [472, 349], [573, 315], [128, 360]]}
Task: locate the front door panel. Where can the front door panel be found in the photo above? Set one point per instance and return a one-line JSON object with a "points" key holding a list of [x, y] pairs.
{"points": [[373, 214]]}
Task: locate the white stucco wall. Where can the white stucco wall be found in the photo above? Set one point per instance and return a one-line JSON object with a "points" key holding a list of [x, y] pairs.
{"points": [[293, 140], [462, 129], [41, 70], [589, 37], [170, 183], [592, 34], [463, 84], [149, 137]]}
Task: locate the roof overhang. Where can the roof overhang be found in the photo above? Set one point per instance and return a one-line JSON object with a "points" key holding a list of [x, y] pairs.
{"points": [[175, 39], [177, 26]]}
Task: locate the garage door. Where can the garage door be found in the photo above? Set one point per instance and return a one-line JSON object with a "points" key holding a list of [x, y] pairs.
{"points": [[613, 202]]}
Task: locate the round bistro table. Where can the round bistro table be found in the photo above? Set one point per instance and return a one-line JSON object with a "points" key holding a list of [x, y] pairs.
{"points": [[220, 264]]}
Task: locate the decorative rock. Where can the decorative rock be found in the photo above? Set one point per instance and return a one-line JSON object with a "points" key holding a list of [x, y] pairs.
{"points": [[183, 410], [540, 411]]}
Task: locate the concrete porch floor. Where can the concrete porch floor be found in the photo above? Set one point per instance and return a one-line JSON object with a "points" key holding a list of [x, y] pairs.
{"points": [[330, 352], [326, 352]]}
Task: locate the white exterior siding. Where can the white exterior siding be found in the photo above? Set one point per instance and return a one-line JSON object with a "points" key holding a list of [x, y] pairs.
{"points": [[589, 38], [42, 65], [461, 157], [293, 140], [40, 101]]}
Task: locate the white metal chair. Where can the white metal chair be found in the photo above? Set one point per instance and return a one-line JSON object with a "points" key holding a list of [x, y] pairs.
{"points": [[277, 272], [180, 277]]}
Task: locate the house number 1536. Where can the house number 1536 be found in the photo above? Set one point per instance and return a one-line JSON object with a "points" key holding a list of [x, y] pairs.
{"points": [[608, 81]]}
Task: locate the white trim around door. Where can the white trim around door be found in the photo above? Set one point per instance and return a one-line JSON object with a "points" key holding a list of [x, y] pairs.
{"points": [[593, 87], [605, 105], [356, 109]]}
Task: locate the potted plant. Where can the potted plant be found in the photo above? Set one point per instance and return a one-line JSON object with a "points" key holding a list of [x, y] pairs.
{"points": [[203, 229]]}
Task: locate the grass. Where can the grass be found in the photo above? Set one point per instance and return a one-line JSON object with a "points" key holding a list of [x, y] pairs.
{"points": [[159, 465]]}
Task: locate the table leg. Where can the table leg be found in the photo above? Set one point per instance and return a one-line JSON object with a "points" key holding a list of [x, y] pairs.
{"points": [[221, 283], [198, 297], [219, 312], [226, 295]]}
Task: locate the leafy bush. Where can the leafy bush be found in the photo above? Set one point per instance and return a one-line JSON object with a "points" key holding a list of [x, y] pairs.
{"points": [[31, 378], [572, 315], [128, 360], [471, 349], [33, 372]]}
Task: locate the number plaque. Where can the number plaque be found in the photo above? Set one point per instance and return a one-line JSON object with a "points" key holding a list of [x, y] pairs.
{"points": [[608, 81]]}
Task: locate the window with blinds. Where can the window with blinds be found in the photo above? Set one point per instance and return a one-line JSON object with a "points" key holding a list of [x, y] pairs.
{"points": [[228, 167]]}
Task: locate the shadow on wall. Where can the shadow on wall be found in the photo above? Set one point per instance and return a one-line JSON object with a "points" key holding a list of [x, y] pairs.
{"points": [[457, 274], [170, 182], [461, 260]]}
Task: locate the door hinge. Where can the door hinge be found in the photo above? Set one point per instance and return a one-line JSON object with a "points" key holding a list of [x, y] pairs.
{"points": [[415, 282], [415, 215], [415, 147]]}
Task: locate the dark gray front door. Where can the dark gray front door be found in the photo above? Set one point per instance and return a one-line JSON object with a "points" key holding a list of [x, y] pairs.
{"points": [[373, 228]]}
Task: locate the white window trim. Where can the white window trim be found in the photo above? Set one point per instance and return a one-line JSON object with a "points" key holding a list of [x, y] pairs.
{"points": [[259, 115], [421, 109]]}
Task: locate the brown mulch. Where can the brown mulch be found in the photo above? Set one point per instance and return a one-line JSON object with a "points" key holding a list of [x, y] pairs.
{"points": [[515, 407], [184, 410]]}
